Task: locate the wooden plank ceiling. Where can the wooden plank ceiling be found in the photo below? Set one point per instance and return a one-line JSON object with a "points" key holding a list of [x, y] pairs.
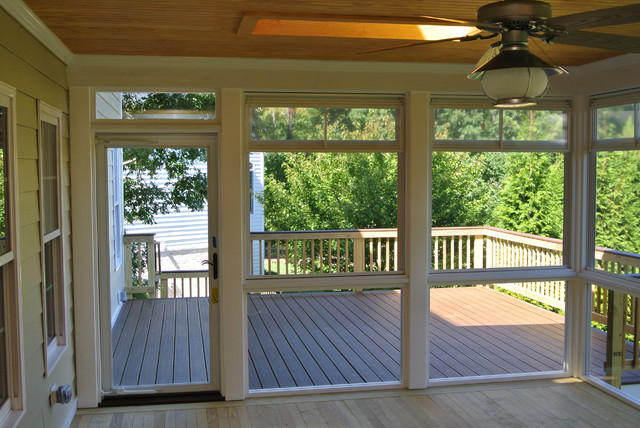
{"points": [[209, 28]]}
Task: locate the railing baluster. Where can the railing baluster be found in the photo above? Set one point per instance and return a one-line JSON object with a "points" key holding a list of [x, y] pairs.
{"points": [[445, 254], [286, 256], [395, 254]]}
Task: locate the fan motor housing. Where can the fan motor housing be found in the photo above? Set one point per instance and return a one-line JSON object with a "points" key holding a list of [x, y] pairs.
{"points": [[514, 14]]}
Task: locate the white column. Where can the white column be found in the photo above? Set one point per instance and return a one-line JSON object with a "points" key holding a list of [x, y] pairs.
{"points": [[233, 316], [579, 240], [418, 218], [85, 254]]}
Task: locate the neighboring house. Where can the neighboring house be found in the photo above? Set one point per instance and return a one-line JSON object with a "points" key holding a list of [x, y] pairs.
{"points": [[53, 319]]}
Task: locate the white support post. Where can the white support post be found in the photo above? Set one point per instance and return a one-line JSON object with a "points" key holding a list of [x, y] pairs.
{"points": [[85, 248], [417, 233], [233, 313]]}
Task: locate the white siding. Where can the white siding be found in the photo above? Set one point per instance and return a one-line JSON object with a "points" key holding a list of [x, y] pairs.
{"points": [[108, 105]]}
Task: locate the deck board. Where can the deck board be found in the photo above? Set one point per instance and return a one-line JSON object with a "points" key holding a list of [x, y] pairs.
{"points": [[167, 345], [307, 339], [310, 337], [152, 351]]}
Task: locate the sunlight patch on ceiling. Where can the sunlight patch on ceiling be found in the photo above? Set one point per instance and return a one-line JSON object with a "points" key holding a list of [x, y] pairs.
{"points": [[314, 27]]}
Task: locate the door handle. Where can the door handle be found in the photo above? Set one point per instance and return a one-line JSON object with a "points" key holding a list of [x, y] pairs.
{"points": [[213, 263]]}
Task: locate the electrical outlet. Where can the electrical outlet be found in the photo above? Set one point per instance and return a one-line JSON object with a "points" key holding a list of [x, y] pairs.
{"points": [[60, 394]]}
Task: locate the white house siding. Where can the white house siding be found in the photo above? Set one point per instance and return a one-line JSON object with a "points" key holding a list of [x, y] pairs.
{"points": [[108, 105], [256, 217]]}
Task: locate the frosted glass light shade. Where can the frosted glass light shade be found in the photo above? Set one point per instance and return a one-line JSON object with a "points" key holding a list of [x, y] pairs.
{"points": [[515, 87]]}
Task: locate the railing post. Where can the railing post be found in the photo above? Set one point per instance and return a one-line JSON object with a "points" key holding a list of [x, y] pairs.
{"points": [[490, 253], [615, 357], [164, 288], [478, 252], [128, 267], [151, 263], [358, 254]]}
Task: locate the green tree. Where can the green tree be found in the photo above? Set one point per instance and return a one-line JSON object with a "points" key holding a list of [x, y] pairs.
{"points": [[144, 195], [322, 191], [618, 200], [464, 188], [531, 199], [135, 102]]}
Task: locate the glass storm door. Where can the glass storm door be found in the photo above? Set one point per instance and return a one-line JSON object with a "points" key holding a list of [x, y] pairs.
{"points": [[158, 231]]}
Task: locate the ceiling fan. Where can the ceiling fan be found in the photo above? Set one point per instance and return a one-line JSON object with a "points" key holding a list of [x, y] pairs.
{"points": [[510, 74]]}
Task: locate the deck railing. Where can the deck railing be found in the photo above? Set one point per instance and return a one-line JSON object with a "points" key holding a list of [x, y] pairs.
{"points": [[328, 251], [174, 284]]}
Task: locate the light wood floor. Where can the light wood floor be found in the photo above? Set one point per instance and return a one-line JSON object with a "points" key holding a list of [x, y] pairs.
{"points": [[561, 403]]}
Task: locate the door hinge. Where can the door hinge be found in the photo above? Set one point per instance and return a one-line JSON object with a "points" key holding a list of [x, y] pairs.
{"points": [[214, 295]]}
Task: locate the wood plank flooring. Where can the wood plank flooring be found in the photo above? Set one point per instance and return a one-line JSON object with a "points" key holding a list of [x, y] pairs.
{"points": [[561, 403], [161, 341], [311, 339]]}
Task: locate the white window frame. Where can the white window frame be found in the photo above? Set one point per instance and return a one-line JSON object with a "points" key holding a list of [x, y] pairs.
{"points": [[326, 101], [111, 121], [598, 276], [336, 281], [487, 275], [54, 349], [14, 408], [318, 281], [500, 144]]}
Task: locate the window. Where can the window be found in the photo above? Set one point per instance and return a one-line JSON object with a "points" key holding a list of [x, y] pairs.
{"points": [[330, 185], [155, 105], [326, 188], [494, 329], [614, 337], [498, 188], [325, 123], [11, 372], [616, 163], [52, 244]]}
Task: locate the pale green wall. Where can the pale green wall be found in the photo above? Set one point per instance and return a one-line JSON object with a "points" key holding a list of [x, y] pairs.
{"points": [[37, 75]]}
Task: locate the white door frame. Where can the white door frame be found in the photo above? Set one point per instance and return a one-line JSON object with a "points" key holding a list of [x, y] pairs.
{"points": [[153, 140]]}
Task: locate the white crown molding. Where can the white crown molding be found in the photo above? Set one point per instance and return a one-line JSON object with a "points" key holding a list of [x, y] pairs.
{"points": [[222, 63], [25, 17], [626, 60]]}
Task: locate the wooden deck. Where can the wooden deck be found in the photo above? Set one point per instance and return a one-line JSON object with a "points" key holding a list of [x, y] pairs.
{"points": [[307, 339], [161, 341]]}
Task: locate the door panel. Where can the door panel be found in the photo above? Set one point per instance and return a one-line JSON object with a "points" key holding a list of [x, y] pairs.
{"points": [[157, 217]]}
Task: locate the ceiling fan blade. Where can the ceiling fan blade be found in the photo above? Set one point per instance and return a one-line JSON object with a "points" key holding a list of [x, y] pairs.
{"points": [[597, 18], [481, 25], [611, 42], [429, 42]]}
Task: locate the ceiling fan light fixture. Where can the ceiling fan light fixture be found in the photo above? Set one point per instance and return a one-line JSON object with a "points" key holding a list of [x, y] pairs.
{"points": [[515, 87], [515, 77]]}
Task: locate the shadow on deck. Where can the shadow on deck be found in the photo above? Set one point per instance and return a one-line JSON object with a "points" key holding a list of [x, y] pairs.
{"points": [[312, 339]]}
